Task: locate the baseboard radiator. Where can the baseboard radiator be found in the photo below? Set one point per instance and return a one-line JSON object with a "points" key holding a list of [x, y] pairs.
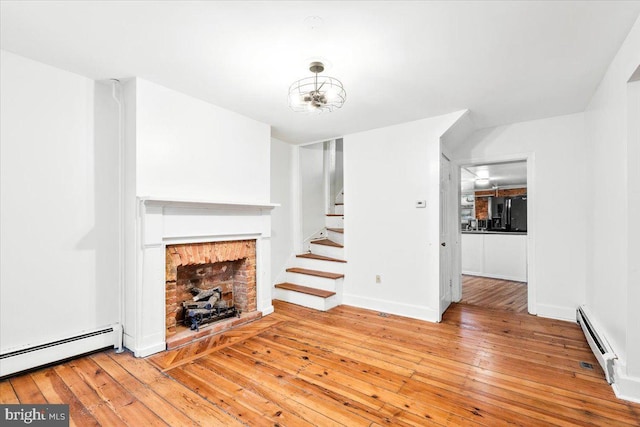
{"points": [[598, 343], [34, 356]]}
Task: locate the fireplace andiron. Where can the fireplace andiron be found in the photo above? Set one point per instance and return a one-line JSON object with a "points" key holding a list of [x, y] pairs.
{"points": [[207, 306]]}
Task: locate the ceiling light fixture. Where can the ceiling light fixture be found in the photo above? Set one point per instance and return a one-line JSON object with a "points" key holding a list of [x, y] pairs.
{"points": [[482, 174], [482, 181], [317, 93]]}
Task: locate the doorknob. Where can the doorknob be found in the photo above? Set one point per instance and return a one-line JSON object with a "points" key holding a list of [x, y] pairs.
{"points": [[443, 244]]}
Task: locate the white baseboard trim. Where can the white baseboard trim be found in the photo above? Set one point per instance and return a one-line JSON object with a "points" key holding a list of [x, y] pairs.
{"points": [[556, 312], [267, 310], [127, 341], [624, 386], [149, 350], [385, 306]]}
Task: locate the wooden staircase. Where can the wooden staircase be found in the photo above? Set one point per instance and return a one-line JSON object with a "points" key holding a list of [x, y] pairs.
{"points": [[315, 279]]}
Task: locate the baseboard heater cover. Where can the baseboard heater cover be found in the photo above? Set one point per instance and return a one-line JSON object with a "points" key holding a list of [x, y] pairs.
{"points": [[34, 356], [598, 343]]}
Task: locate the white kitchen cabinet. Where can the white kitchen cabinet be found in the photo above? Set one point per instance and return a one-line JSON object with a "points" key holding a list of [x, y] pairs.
{"points": [[497, 255], [472, 254]]}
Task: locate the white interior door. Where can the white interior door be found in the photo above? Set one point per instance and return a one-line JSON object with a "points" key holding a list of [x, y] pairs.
{"points": [[445, 233]]}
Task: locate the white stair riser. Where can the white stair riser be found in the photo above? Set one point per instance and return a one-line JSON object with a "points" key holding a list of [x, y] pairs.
{"points": [[330, 251], [306, 300], [318, 264], [313, 281], [334, 221], [340, 198], [336, 237], [338, 209]]}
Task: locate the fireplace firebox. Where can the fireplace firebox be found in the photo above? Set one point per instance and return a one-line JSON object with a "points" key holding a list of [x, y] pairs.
{"points": [[207, 283]]}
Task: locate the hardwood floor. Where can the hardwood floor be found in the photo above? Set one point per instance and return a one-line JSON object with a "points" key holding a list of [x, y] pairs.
{"points": [[494, 293], [348, 366]]}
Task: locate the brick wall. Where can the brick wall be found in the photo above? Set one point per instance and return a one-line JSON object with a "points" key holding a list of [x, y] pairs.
{"points": [[482, 208]]}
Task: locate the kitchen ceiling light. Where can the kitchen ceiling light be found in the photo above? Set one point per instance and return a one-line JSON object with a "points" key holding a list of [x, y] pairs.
{"points": [[482, 181], [317, 93], [482, 174]]}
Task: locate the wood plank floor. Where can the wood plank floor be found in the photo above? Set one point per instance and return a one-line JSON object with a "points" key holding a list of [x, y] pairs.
{"points": [[350, 367], [494, 293]]}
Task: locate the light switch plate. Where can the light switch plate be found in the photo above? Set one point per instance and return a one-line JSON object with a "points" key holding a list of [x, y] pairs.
{"points": [[421, 203]]}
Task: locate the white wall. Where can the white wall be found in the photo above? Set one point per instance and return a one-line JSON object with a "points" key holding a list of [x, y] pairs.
{"points": [[610, 263], [132, 244], [633, 237], [282, 218], [188, 148], [312, 188], [59, 195], [385, 171], [183, 148], [559, 204]]}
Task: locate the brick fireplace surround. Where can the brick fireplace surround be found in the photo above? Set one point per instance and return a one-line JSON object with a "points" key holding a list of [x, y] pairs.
{"points": [[230, 265]]}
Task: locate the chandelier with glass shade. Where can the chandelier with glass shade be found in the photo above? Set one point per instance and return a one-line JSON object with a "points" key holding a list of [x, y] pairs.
{"points": [[316, 93]]}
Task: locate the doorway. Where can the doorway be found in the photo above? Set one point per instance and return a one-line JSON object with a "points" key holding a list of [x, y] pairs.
{"points": [[494, 226], [320, 173]]}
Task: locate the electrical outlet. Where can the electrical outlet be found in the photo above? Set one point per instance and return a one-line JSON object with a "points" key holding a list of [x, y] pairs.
{"points": [[378, 278]]}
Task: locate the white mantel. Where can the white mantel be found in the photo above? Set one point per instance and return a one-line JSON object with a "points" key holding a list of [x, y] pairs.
{"points": [[207, 204], [161, 222]]}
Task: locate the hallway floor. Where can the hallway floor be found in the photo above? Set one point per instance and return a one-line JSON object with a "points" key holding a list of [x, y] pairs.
{"points": [[494, 293]]}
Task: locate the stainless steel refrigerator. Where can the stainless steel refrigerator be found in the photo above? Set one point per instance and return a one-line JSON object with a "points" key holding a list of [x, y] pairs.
{"points": [[517, 214], [508, 213]]}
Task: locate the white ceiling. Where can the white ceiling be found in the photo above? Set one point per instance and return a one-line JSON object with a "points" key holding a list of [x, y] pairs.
{"points": [[399, 61], [499, 174]]}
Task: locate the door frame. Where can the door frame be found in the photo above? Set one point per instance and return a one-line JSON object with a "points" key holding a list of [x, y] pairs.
{"points": [[531, 223]]}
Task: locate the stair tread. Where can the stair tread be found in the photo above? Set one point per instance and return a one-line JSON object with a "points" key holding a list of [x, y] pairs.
{"points": [[335, 214], [336, 230], [320, 257], [318, 273], [327, 242], [305, 290]]}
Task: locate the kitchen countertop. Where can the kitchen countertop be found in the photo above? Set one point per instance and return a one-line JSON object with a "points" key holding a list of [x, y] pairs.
{"points": [[516, 233]]}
